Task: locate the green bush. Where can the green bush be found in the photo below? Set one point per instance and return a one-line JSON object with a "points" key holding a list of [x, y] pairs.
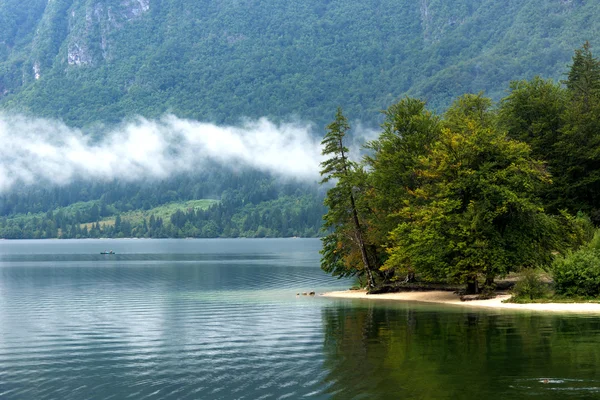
{"points": [[530, 285], [578, 273], [594, 244]]}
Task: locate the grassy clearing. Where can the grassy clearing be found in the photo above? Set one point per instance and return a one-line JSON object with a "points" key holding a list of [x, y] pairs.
{"points": [[104, 223], [164, 211]]}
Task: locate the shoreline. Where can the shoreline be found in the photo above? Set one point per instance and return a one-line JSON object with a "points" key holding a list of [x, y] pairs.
{"points": [[450, 298]]}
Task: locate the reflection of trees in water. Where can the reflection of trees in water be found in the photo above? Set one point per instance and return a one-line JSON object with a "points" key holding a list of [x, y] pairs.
{"points": [[379, 352]]}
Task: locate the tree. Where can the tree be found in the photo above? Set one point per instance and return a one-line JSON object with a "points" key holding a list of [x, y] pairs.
{"points": [[532, 113], [562, 127], [583, 79], [117, 224], [575, 164], [343, 215], [409, 130], [94, 213], [475, 211]]}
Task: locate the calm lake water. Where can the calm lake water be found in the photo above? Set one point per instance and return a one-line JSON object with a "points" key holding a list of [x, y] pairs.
{"points": [[219, 319]]}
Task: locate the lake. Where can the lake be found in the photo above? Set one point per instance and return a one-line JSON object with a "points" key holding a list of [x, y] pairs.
{"points": [[220, 319]]}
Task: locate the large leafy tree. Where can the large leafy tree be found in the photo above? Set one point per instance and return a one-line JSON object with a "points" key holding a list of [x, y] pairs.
{"points": [[532, 113], [408, 132], [475, 211], [345, 251]]}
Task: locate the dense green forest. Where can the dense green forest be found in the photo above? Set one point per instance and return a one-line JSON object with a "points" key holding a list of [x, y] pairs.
{"points": [[94, 61], [248, 204], [478, 191]]}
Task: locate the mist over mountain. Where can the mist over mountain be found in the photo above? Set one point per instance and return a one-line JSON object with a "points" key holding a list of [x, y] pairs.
{"points": [[45, 151], [220, 61]]}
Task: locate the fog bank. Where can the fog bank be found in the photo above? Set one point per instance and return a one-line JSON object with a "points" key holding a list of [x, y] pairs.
{"points": [[42, 151]]}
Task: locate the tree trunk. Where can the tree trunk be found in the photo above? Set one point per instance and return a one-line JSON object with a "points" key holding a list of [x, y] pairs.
{"points": [[410, 277], [361, 244], [472, 285], [358, 230]]}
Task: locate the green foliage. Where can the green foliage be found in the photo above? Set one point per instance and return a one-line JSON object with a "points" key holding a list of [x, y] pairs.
{"points": [[340, 199], [458, 197], [251, 205], [530, 286], [221, 61], [345, 214], [575, 159], [561, 126], [476, 211], [578, 273], [578, 231], [594, 243], [332, 257], [532, 114], [465, 196], [584, 76], [337, 166], [408, 132]]}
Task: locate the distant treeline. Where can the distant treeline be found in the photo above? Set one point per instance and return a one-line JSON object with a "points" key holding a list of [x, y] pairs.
{"points": [[208, 182], [251, 204]]}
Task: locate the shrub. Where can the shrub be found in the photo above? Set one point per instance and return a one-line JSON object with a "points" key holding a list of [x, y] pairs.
{"points": [[594, 244], [578, 273], [530, 285], [572, 232]]}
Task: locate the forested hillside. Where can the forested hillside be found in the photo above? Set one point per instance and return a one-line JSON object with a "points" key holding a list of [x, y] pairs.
{"points": [[249, 204], [104, 60]]}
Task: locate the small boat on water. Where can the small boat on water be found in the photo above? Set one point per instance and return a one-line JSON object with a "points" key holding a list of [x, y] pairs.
{"points": [[107, 252]]}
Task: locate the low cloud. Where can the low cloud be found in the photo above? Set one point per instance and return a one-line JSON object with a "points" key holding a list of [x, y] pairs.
{"points": [[41, 151]]}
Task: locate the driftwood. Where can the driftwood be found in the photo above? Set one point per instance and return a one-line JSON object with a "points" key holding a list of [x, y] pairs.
{"points": [[413, 287], [404, 286]]}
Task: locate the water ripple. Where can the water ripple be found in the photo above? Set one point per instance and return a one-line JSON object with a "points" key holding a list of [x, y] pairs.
{"points": [[168, 326]]}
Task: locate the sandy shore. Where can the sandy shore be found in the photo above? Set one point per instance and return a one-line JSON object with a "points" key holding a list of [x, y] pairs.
{"points": [[450, 298]]}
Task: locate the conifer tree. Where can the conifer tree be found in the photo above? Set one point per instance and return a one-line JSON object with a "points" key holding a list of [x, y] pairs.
{"points": [[347, 237], [575, 164], [584, 76]]}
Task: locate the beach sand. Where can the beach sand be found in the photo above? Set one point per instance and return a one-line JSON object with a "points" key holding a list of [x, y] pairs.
{"points": [[451, 298]]}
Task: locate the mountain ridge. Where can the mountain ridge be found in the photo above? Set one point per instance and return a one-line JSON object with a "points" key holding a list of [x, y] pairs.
{"points": [[104, 60]]}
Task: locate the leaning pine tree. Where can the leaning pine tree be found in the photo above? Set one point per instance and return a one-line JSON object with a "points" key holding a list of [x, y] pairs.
{"points": [[344, 250]]}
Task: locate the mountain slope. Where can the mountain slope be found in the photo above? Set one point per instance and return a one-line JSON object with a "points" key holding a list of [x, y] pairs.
{"points": [[86, 61]]}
